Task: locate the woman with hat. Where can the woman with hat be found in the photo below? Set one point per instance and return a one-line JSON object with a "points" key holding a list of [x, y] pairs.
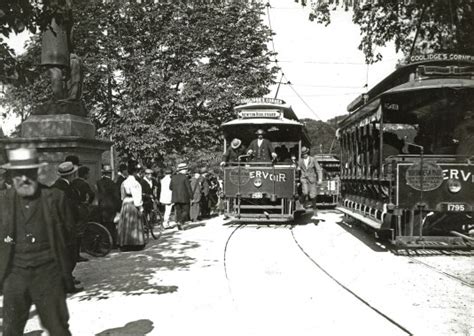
{"points": [[232, 154], [181, 194], [130, 233], [261, 149]]}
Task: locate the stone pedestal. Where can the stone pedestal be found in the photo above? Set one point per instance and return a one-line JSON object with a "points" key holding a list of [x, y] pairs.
{"points": [[57, 126], [57, 136]]}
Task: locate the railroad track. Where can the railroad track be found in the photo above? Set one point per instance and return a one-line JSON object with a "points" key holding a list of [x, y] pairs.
{"points": [[226, 246], [366, 303], [439, 271], [322, 269]]}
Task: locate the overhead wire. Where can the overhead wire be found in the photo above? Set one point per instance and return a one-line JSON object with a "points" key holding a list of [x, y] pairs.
{"points": [[268, 5], [289, 83]]}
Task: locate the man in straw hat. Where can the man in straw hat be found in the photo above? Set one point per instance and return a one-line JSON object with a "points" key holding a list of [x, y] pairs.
{"points": [[232, 154], [181, 194], [67, 172], [311, 175], [36, 224], [261, 149]]}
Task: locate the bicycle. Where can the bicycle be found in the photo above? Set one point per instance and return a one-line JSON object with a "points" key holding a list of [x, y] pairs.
{"points": [[97, 240], [152, 223]]}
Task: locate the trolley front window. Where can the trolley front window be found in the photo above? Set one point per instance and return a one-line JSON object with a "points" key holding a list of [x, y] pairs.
{"points": [[441, 120]]}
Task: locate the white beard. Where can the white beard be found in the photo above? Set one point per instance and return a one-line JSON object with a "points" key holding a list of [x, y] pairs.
{"points": [[25, 189]]}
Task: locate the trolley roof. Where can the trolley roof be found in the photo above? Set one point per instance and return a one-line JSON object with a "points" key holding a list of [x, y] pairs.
{"points": [[404, 70], [273, 115], [442, 71]]}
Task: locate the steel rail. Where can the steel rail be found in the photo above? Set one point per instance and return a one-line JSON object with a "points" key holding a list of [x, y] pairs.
{"points": [[346, 288], [453, 277], [225, 249]]}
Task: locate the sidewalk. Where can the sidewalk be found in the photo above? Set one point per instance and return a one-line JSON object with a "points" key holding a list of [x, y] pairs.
{"points": [[153, 292]]}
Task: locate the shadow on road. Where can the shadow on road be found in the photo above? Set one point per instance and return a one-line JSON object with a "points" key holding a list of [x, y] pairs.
{"points": [[365, 235], [130, 273], [135, 328]]}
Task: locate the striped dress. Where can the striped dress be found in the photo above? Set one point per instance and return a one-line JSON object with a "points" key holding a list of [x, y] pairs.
{"points": [[130, 227]]}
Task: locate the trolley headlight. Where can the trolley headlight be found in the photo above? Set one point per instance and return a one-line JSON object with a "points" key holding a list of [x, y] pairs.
{"points": [[257, 182], [454, 186]]}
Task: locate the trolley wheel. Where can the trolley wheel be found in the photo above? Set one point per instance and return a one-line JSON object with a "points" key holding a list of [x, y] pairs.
{"points": [[97, 240]]}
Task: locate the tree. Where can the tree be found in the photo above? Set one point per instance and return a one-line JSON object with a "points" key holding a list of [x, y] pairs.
{"points": [[415, 26], [323, 135], [17, 16], [161, 77]]}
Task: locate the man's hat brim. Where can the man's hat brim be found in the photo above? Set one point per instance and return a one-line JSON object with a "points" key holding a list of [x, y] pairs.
{"points": [[69, 172], [9, 166], [235, 144]]}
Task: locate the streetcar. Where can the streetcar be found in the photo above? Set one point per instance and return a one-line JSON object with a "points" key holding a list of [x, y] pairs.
{"points": [[263, 191], [328, 190], [407, 154]]}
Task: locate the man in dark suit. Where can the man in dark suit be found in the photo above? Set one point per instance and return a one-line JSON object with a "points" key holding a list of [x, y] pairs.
{"points": [[67, 172], [231, 156], [109, 201], [260, 149], [149, 190], [205, 189], [36, 226], [311, 174], [181, 194], [121, 175], [86, 194]]}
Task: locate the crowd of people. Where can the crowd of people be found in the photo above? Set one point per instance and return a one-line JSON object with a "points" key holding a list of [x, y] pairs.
{"points": [[41, 227]]}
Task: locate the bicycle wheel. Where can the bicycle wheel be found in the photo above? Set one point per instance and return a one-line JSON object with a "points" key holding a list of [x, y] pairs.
{"points": [[97, 240], [158, 230], [146, 228], [152, 223]]}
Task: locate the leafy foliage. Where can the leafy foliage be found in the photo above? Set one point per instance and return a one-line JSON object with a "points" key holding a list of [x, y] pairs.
{"points": [[17, 16], [161, 77], [323, 135], [415, 26]]}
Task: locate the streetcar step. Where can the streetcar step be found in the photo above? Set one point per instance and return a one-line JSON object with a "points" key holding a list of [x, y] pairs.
{"points": [[261, 207], [432, 242]]}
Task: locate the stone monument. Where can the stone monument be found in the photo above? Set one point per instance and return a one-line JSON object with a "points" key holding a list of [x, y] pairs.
{"points": [[61, 127]]}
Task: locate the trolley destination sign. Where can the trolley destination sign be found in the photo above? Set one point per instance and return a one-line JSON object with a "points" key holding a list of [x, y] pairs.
{"points": [[439, 57], [267, 180], [273, 114]]}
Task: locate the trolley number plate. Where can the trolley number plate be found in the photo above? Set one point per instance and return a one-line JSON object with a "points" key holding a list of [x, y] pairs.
{"points": [[455, 207], [257, 195]]}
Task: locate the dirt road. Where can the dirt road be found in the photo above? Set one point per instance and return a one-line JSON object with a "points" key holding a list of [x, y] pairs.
{"points": [[327, 279]]}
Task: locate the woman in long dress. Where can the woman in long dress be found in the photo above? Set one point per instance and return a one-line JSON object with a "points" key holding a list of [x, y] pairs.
{"points": [[130, 229]]}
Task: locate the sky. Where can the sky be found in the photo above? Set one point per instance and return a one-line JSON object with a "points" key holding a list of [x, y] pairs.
{"points": [[323, 64]]}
